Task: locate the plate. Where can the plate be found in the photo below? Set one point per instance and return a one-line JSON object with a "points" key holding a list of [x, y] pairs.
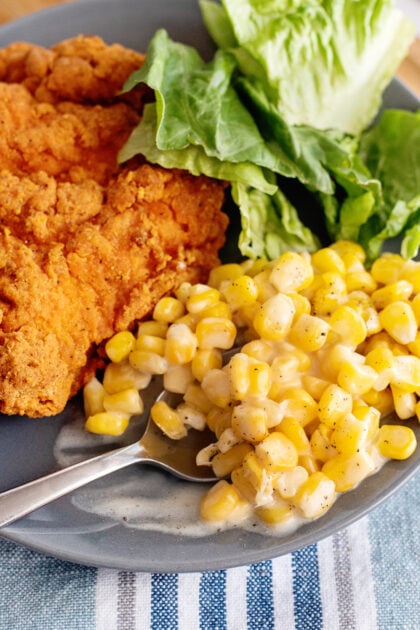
{"points": [[63, 529]]}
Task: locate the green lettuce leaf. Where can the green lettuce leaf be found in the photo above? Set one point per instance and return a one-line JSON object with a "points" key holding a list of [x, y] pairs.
{"points": [[391, 151], [270, 224], [193, 158], [323, 63]]}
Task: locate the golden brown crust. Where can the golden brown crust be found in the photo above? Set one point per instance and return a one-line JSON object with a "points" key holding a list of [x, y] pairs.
{"points": [[86, 246]]}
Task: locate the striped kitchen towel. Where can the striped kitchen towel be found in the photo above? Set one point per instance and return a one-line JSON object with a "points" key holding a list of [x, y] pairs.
{"points": [[365, 577]]}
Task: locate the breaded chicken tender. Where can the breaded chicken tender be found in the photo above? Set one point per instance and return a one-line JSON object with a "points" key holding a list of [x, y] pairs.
{"points": [[87, 247]]}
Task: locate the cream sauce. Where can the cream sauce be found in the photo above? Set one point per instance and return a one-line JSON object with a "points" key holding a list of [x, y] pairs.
{"points": [[145, 498]]}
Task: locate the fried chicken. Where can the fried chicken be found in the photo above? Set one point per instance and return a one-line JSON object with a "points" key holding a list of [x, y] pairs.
{"points": [[87, 247]]}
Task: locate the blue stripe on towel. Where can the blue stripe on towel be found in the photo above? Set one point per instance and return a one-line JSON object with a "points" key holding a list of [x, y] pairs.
{"points": [[259, 596], [306, 589], [164, 604], [43, 593], [213, 600], [394, 532]]}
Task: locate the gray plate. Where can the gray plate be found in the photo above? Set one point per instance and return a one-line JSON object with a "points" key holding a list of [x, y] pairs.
{"points": [[26, 446]]}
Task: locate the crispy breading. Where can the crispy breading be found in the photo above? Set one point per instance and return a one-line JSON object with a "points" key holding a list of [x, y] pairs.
{"points": [[86, 246]]}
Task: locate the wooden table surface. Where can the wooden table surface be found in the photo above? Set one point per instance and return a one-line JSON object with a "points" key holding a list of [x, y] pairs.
{"points": [[409, 70]]}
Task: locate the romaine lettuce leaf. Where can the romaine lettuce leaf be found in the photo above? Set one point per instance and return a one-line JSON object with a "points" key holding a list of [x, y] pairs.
{"points": [[391, 151], [270, 224], [192, 158], [323, 63]]}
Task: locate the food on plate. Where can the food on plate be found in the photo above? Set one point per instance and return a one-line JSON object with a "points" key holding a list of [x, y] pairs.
{"points": [[282, 111], [86, 246], [326, 351]]}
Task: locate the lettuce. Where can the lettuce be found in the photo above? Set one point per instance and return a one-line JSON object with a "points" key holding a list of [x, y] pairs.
{"points": [[323, 63], [391, 151], [278, 113]]}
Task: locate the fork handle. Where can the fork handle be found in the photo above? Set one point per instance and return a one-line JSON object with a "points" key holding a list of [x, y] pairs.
{"points": [[20, 501]]}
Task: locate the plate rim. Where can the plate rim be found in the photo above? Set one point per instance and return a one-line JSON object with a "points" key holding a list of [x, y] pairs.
{"points": [[44, 543]]}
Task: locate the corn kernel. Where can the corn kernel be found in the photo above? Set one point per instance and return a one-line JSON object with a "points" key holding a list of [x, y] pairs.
{"points": [[216, 387], [406, 375], [335, 403], [260, 349], [224, 463], [274, 318], [177, 378], [415, 305], [300, 405], [150, 327], [215, 332], [404, 402], [309, 333], [220, 309], [148, 362], [119, 376], [360, 280], [239, 292], [107, 423], [248, 377], [196, 397], [150, 343], [382, 360], [288, 482], [228, 272], [347, 471], [197, 302], [277, 452], [335, 357], [168, 309], [266, 289], [309, 462], [183, 292], [327, 259], [387, 268], [218, 420], [249, 422], [392, 292], [399, 321], [414, 346], [349, 435], [273, 409], [120, 345], [320, 442], [181, 344], [251, 267], [348, 325], [329, 295], [205, 360], [301, 303], [350, 252], [191, 416], [411, 272], [284, 375], [274, 513], [380, 400], [93, 397], [315, 496], [242, 483], [127, 401], [369, 416], [168, 420], [253, 469], [293, 429], [396, 441], [291, 272], [314, 385], [220, 502], [355, 378]]}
